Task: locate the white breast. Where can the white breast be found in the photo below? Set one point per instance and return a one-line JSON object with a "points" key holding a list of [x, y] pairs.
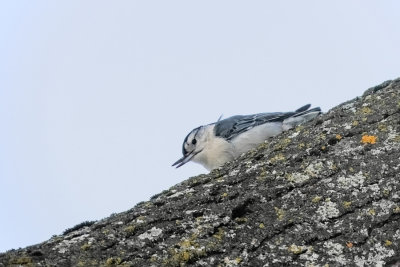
{"points": [[216, 152]]}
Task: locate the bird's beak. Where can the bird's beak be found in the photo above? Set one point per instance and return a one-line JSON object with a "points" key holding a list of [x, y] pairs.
{"points": [[185, 159]]}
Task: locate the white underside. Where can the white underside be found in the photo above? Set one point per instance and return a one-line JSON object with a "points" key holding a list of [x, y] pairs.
{"points": [[218, 150]]}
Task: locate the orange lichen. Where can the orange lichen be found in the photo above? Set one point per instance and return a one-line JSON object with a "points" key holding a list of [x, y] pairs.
{"points": [[349, 244], [338, 137], [368, 139]]}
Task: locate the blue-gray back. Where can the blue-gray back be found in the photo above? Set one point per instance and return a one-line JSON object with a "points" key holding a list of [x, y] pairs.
{"points": [[231, 127]]}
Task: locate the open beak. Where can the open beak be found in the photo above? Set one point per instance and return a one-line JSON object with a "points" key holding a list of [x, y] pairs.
{"points": [[185, 159]]}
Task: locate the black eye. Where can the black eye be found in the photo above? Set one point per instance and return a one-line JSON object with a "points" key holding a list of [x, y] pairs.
{"points": [[194, 141]]}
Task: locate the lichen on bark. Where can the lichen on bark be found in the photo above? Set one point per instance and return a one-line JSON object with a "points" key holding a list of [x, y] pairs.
{"points": [[325, 193]]}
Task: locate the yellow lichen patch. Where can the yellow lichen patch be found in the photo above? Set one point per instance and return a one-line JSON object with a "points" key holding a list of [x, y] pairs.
{"points": [[263, 174], [241, 219], [396, 210], [184, 251], [279, 157], [148, 204], [368, 139], [261, 225], [371, 212], [323, 147], [280, 213], [301, 145], [386, 192], [238, 260], [322, 136], [21, 261], [366, 110], [396, 138], [388, 243], [346, 204], [141, 219], [349, 244], [382, 127], [85, 246], [199, 219], [338, 137], [220, 234], [130, 229], [316, 199], [261, 178], [354, 123], [224, 194], [282, 144], [113, 261], [296, 249]]}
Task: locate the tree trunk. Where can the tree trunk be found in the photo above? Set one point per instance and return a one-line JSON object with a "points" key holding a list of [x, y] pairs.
{"points": [[324, 194]]}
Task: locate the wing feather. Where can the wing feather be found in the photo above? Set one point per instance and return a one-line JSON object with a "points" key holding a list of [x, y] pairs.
{"points": [[231, 127]]}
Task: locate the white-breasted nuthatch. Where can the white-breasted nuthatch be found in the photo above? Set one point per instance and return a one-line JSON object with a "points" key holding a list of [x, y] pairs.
{"points": [[214, 144]]}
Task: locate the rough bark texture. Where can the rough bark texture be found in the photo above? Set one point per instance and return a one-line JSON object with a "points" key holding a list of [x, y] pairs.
{"points": [[324, 194]]}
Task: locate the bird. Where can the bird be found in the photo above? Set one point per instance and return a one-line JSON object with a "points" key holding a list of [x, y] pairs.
{"points": [[216, 143]]}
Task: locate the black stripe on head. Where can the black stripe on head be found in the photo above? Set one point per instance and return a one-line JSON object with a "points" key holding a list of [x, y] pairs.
{"points": [[184, 152]]}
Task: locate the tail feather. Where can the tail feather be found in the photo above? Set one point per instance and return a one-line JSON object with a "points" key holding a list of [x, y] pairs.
{"points": [[302, 115], [303, 108]]}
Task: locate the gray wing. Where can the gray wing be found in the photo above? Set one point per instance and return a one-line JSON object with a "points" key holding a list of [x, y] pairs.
{"points": [[231, 127]]}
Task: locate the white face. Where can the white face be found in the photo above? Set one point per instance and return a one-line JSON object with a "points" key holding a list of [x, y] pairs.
{"points": [[192, 145]]}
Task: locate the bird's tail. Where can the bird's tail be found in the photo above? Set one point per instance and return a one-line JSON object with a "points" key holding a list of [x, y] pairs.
{"points": [[300, 116]]}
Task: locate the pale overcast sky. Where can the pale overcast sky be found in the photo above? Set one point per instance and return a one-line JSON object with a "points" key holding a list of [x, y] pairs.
{"points": [[97, 96]]}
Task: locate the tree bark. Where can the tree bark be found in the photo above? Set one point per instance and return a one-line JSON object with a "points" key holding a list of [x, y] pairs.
{"points": [[324, 194]]}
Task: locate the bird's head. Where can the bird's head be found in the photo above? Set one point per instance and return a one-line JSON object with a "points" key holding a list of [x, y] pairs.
{"points": [[193, 144]]}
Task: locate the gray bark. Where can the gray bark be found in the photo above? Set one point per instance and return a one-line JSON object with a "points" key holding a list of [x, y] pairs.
{"points": [[324, 194]]}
